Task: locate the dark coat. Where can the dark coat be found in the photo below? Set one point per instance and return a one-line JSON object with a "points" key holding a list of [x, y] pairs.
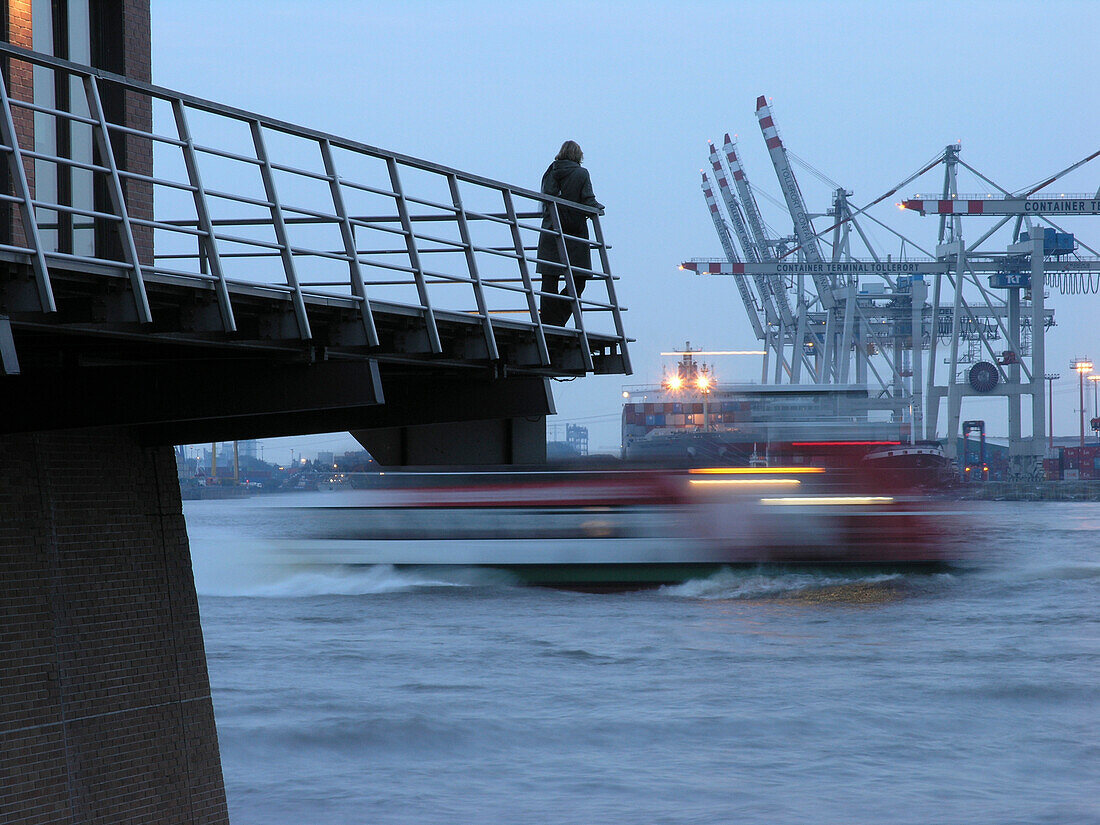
{"points": [[568, 180]]}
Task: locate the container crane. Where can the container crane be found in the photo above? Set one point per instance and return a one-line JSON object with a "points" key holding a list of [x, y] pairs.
{"points": [[796, 205], [759, 242], [761, 251], [751, 307], [771, 302], [748, 200]]}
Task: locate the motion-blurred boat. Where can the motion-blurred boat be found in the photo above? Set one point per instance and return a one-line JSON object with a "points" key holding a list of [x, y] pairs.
{"points": [[621, 528]]}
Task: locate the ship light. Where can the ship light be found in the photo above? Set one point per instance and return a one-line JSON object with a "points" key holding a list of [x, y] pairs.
{"points": [[830, 500], [755, 471], [675, 383], [752, 482]]}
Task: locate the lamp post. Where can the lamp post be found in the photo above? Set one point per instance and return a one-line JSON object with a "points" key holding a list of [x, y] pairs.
{"points": [[703, 382], [1082, 365], [1095, 379], [1051, 377]]}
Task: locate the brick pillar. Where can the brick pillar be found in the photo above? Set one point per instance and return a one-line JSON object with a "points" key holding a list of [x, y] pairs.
{"points": [[138, 115], [105, 709], [20, 80]]}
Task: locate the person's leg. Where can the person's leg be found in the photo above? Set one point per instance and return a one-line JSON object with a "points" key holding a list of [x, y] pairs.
{"points": [[580, 281], [549, 307]]}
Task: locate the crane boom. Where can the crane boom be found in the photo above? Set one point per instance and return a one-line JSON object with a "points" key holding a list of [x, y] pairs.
{"points": [[719, 224], [720, 227], [767, 285], [773, 304], [803, 229], [751, 253], [1037, 205], [748, 200]]}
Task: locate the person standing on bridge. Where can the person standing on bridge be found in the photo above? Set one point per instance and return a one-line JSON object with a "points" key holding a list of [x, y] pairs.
{"points": [[567, 179]]}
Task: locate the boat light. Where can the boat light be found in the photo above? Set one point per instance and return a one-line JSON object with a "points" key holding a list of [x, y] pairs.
{"points": [[755, 482], [840, 443], [841, 500], [754, 471]]}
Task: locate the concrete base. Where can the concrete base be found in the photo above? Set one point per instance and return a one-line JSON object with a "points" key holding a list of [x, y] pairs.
{"points": [[105, 709]]}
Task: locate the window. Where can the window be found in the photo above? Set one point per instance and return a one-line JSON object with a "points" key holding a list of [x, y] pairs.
{"points": [[63, 28]]}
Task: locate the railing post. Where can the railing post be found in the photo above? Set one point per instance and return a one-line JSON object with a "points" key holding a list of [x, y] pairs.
{"points": [[118, 199], [570, 285], [471, 264], [358, 288], [281, 235], [525, 274], [616, 313], [208, 245], [414, 256], [23, 192]]}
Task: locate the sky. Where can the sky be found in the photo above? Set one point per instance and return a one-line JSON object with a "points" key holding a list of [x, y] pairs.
{"points": [[866, 92]]}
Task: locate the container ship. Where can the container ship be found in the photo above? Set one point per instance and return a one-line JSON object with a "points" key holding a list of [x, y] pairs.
{"points": [[689, 418]]}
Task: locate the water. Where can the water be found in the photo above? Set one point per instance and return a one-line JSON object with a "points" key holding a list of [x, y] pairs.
{"points": [[372, 696]]}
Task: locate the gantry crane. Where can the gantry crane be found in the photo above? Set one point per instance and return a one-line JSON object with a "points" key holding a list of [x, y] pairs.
{"points": [[772, 291], [977, 301], [752, 309]]}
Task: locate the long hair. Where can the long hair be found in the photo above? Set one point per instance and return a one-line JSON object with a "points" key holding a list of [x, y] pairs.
{"points": [[570, 150]]}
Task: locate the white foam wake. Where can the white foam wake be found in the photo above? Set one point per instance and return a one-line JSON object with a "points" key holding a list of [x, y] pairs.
{"points": [[281, 583], [730, 584]]}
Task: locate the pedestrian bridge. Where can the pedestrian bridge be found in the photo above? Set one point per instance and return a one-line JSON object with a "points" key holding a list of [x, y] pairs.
{"points": [[172, 271], [199, 271]]}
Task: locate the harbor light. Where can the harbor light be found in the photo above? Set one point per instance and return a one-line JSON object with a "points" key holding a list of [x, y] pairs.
{"points": [[1082, 365]]}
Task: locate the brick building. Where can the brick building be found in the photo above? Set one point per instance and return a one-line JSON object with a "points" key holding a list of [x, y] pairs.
{"points": [[112, 35], [105, 707]]}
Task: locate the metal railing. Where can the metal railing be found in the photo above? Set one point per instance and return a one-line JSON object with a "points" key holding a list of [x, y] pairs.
{"points": [[242, 201]]}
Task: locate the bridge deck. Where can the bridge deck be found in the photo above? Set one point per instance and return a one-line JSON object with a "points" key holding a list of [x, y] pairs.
{"points": [[194, 229]]}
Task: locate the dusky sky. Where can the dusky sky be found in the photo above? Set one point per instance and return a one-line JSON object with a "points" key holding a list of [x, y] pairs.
{"points": [[864, 91]]}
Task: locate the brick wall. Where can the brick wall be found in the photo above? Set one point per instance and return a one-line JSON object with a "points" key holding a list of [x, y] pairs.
{"points": [[105, 710], [135, 153], [138, 115], [20, 85]]}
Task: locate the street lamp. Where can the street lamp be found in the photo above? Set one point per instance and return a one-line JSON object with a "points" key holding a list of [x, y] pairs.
{"points": [[1051, 377], [704, 383], [1095, 379], [1082, 365]]}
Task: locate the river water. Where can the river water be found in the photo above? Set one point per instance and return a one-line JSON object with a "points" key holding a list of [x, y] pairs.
{"points": [[372, 696]]}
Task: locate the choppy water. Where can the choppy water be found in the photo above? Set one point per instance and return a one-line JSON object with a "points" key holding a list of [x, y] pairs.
{"points": [[370, 696]]}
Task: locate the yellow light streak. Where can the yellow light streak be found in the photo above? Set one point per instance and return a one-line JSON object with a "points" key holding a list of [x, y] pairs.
{"points": [[754, 482], [754, 471], [841, 500]]}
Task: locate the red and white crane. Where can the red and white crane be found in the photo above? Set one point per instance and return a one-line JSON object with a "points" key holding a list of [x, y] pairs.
{"points": [[796, 205], [774, 303], [751, 221], [751, 307], [988, 205], [748, 201]]}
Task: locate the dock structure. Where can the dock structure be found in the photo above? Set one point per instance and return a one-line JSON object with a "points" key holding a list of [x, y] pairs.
{"points": [[174, 270], [879, 320]]}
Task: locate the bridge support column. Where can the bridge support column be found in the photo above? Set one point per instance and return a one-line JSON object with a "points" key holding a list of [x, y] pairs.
{"points": [[499, 441], [438, 421], [105, 709]]}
